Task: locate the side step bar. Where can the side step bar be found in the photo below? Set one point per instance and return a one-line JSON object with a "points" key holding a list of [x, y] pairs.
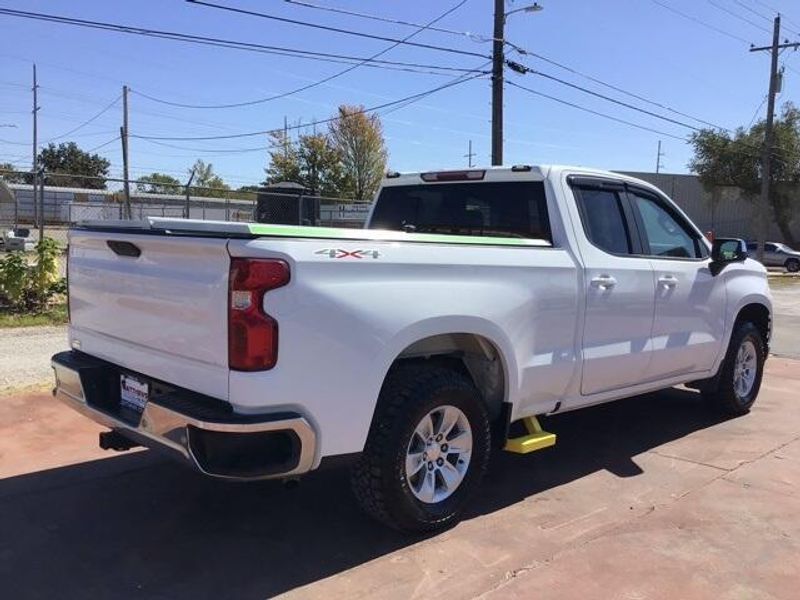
{"points": [[536, 438]]}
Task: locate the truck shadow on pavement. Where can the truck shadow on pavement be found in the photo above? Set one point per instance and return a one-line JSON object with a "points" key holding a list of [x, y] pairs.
{"points": [[137, 525]]}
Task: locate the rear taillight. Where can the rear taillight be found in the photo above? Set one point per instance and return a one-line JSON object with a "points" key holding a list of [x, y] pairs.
{"points": [[252, 333]]}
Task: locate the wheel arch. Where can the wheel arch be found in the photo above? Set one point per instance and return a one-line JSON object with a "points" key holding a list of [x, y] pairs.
{"points": [[475, 347], [759, 314]]}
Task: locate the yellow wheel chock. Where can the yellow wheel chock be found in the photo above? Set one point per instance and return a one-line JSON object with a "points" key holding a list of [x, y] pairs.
{"points": [[536, 439]]}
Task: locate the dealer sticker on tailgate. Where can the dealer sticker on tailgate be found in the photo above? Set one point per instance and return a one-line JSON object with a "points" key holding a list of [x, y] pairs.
{"points": [[133, 393]]}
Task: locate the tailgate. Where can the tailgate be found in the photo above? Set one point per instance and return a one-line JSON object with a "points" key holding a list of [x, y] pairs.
{"points": [[162, 313]]}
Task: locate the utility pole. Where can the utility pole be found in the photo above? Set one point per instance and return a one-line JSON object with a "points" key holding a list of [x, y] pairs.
{"points": [[186, 212], [766, 158], [498, 59], [285, 138], [34, 167], [470, 155], [659, 154], [124, 137]]}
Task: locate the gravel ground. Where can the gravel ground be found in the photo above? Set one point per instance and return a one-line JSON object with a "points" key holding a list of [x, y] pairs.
{"points": [[25, 355]]}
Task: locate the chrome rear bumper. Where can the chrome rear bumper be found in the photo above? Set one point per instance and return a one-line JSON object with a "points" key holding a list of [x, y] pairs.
{"points": [[204, 431]]}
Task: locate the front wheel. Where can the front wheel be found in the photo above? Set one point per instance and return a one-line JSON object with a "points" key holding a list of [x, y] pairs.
{"points": [[792, 265], [741, 372], [427, 449]]}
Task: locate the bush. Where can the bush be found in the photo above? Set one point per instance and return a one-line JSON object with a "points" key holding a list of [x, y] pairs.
{"points": [[31, 288], [13, 278]]}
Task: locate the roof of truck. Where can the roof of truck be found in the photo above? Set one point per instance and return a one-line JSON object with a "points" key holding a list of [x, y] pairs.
{"points": [[520, 172]]}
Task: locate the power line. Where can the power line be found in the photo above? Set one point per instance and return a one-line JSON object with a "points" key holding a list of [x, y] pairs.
{"points": [[595, 112], [319, 26], [214, 150], [85, 123], [735, 15], [614, 87], [777, 12], [413, 100], [103, 145], [757, 110], [472, 36], [319, 82], [699, 21], [751, 10], [520, 68], [221, 42], [328, 120]]}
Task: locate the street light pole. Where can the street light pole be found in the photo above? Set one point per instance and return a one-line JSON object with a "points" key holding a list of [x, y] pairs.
{"points": [[498, 58], [498, 62]]}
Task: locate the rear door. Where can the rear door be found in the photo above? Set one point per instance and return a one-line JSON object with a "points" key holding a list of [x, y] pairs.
{"points": [[619, 288], [772, 257], [689, 323], [153, 303]]}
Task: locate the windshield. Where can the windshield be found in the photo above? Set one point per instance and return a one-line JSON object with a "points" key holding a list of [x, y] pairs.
{"points": [[494, 209]]}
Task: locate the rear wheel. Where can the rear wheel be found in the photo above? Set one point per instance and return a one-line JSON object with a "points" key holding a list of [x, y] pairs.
{"points": [[427, 449], [741, 372], [793, 265]]}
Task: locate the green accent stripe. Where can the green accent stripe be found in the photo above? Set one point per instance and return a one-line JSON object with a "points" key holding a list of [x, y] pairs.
{"points": [[381, 235]]}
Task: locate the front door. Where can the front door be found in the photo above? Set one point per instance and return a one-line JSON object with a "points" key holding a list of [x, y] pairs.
{"points": [[688, 328], [619, 288]]}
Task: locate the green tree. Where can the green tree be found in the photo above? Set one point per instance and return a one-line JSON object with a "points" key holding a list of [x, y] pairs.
{"points": [[313, 161], [359, 139], [207, 183], [77, 167], [284, 164], [8, 174], [321, 168], [734, 159], [159, 183]]}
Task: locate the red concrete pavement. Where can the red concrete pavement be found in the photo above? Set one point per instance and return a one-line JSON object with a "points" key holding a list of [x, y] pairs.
{"points": [[652, 497]]}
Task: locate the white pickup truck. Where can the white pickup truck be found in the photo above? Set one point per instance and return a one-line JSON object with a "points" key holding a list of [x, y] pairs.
{"points": [[473, 302]]}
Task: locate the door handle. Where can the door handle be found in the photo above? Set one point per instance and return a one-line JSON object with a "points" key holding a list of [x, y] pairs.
{"points": [[604, 282], [668, 281]]}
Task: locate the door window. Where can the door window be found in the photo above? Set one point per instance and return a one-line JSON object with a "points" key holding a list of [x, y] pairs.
{"points": [[667, 235], [604, 220]]}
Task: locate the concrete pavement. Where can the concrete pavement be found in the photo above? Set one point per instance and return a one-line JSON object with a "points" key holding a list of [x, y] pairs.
{"points": [[786, 308], [652, 497]]}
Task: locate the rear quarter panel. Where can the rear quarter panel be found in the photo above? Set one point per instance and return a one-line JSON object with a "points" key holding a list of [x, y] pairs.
{"points": [[343, 322]]}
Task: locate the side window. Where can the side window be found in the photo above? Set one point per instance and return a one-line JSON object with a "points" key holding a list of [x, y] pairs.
{"points": [[770, 248], [604, 219], [666, 234]]}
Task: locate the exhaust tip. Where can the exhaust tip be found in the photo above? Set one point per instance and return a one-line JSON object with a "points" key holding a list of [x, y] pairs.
{"points": [[113, 440]]}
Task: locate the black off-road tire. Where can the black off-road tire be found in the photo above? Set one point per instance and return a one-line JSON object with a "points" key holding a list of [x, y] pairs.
{"points": [[725, 398], [378, 478], [792, 265]]}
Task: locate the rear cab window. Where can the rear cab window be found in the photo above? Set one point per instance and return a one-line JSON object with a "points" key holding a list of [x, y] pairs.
{"points": [[510, 209]]}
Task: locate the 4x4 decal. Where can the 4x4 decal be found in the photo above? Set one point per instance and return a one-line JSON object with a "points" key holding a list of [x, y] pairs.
{"points": [[339, 253]]}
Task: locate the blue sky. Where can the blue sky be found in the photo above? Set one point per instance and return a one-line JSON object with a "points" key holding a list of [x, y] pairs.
{"points": [[634, 44]]}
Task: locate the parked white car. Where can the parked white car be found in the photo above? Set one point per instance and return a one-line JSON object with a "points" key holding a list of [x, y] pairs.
{"points": [[474, 300]]}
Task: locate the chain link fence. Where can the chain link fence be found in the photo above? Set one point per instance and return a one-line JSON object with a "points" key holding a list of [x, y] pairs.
{"points": [[57, 208]]}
